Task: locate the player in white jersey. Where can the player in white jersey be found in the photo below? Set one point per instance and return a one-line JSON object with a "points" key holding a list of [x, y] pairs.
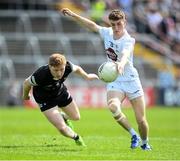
{"points": [[119, 46]]}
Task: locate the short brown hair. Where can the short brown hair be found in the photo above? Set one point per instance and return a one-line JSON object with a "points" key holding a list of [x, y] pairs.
{"points": [[117, 15], [57, 59]]}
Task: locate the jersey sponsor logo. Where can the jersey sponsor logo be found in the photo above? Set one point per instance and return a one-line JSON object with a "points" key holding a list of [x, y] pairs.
{"points": [[111, 54]]}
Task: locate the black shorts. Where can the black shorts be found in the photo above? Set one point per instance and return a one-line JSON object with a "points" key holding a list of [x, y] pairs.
{"points": [[61, 101]]}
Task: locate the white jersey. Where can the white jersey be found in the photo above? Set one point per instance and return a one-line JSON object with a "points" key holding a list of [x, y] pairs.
{"points": [[115, 48]]}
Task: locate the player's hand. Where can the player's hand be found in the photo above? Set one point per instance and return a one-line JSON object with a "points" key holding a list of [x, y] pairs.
{"points": [[67, 12], [92, 76], [120, 68]]}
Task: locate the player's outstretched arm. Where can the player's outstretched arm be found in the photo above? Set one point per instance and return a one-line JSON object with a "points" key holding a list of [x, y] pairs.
{"points": [[82, 20], [26, 89], [82, 73]]}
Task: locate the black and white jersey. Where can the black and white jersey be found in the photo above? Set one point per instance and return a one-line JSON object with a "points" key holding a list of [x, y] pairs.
{"points": [[44, 86]]}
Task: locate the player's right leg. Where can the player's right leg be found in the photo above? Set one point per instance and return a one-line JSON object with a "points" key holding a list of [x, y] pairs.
{"points": [[114, 106], [53, 115], [114, 99]]}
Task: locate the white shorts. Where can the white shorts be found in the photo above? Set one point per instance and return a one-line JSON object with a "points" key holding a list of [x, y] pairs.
{"points": [[132, 89]]}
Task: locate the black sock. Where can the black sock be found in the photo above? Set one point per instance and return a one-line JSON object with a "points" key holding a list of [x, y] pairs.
{"points": [[76, 137]]}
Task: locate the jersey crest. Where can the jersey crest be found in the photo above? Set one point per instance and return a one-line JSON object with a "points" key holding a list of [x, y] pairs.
{"points": [[111, 54]]}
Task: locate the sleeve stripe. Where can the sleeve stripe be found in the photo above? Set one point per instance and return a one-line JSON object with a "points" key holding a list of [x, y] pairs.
{"points": [[32, 81], [73, 66]]}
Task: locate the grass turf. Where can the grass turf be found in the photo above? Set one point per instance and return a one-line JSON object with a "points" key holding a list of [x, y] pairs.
{"points": [[27, 135]]}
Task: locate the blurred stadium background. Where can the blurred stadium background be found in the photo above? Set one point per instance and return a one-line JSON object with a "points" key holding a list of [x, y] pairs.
{"points": [[31, 30]]}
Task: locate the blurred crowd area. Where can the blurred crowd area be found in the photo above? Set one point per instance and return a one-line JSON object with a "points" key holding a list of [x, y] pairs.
{"points": [[158, 17]]}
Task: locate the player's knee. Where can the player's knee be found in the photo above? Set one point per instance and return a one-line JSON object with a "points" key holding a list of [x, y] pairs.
{"points": [[76, 117], [114, 105]]}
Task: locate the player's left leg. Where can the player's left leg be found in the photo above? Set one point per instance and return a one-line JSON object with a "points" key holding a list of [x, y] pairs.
{"points": [[139, 109], [72, 111]]}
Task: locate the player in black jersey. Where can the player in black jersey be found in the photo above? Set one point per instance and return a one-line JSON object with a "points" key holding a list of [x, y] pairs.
{"points": [[51, 94]]}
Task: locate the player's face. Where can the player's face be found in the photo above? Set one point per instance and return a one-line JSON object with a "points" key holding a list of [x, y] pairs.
{"points": [[57, 72], [118, 27]]}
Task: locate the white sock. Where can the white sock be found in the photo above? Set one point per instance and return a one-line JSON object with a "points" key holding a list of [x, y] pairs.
{"points": [[144, 141], [132, 132]]}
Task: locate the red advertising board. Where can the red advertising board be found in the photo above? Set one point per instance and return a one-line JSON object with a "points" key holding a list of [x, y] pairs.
{"points": [[96, 97]]}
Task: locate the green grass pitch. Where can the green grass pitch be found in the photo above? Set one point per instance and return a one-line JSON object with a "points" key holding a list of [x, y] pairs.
{"points": [[26, 135]]}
